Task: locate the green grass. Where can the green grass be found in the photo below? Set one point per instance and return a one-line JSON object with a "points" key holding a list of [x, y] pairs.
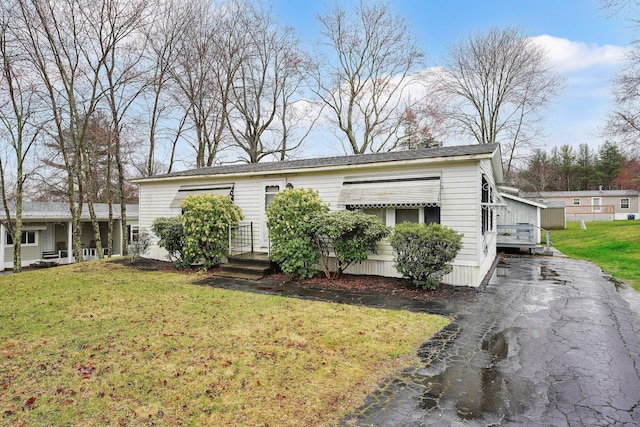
{"points": [[613, 246], [100, 343]]}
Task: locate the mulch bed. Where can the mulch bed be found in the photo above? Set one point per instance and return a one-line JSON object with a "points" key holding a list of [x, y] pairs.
{"points": [[347, 282], [378, 285]]}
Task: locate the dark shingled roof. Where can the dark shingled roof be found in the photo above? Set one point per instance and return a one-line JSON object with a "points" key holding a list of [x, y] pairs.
{"points": [[360, 159]]}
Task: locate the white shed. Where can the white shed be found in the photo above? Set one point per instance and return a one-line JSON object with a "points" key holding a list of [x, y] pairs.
{"points": [[521, 214]]}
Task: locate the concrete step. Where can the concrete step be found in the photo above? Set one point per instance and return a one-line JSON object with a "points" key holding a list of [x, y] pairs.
{"points": [[257, 259], [240, 268], [238, 274]]}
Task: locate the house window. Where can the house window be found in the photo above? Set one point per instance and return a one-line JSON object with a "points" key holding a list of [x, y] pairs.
{"points": [[379, 212], [624, 203], [576, 202], [432, 215], [134, 232], [486, 199], [407, 215], [28, 238]]}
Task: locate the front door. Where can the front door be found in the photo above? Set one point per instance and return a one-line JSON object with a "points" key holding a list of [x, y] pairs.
{"points": [[596, 202], [269, 190], [48, 238]]}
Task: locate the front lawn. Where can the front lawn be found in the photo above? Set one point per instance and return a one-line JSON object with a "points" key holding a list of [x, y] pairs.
{"points": [[614, 246], [100, 343]]}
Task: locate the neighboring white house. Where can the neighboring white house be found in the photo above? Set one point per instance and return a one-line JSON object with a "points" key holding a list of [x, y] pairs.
{"points": [[455, 186], [47, 233]]}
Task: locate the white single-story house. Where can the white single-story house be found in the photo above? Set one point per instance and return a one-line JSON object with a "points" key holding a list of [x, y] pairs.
{"points": [[455, 186], [47, 233]]}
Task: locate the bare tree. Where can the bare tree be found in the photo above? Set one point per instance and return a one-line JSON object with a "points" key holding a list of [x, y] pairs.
{"points": [[369, 62], [624, 120], [497, 84], [51, 35], [268, 76], [203, 74], [163, 39], [19, 126], [118, 31], [423, 126]]}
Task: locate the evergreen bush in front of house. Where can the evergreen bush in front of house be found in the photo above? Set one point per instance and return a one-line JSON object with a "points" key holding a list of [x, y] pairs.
{"points": [[289, 217], [424, 252], [351, 235], [206, 219], [170, 233]]}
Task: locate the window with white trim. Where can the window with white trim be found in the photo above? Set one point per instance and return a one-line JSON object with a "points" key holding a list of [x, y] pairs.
{"points": [[408, 215], [486, 198], [134, 232], [624, 203], [391, 215], [432, 215], [576, 202], [28, 238], [379, 212]]}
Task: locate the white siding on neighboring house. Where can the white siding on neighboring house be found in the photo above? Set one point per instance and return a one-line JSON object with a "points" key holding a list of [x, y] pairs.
{"points": [[28, 253]]}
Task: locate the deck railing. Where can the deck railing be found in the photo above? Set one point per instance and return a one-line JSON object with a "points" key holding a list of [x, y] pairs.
{"points": [[520, 235], [241, 239]]}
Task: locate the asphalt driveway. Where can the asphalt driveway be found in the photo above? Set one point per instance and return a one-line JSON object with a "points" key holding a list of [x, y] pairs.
{"points": [[550, 341]]}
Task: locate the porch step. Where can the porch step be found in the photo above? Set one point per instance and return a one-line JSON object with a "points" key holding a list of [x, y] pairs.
{"points": [[50, 255], [252, 266]]}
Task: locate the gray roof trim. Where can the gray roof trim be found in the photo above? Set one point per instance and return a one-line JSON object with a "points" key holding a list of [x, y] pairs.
{"points": [[60, 211], [586, 193], [333, 162], [521, 200]]}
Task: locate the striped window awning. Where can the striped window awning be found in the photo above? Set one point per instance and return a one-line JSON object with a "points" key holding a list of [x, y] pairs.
{"points": [[195, 190], [390, 192]]}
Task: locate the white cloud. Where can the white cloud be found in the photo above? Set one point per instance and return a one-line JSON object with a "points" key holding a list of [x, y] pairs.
{"points": [[568, 56]]}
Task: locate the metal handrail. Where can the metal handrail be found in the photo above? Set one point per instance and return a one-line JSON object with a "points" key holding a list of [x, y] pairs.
{"points": [[241, 238], [528, 229]]}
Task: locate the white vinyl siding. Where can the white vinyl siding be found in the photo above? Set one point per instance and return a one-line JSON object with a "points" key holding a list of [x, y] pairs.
{"points": [[29, 254], [460, 207]]}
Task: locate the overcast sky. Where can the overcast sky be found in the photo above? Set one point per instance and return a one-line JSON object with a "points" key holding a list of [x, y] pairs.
{"points": [[585, 46]]}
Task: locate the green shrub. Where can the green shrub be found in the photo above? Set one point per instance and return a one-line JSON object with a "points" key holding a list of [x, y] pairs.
{"points": [[424, 252], [170, 235], [139, 247], [206, 219], [288, 219], [351, 235]]}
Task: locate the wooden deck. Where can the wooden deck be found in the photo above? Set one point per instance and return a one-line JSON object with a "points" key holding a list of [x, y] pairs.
{"points": [[519, 236]]}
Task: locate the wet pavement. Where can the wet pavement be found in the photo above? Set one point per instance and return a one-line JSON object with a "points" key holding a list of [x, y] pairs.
{"points": [[549, 341]]}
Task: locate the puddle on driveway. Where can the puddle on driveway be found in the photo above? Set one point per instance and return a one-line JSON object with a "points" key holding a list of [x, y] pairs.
{"points": [[619, 284], [476, 391], [551, 275]]}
